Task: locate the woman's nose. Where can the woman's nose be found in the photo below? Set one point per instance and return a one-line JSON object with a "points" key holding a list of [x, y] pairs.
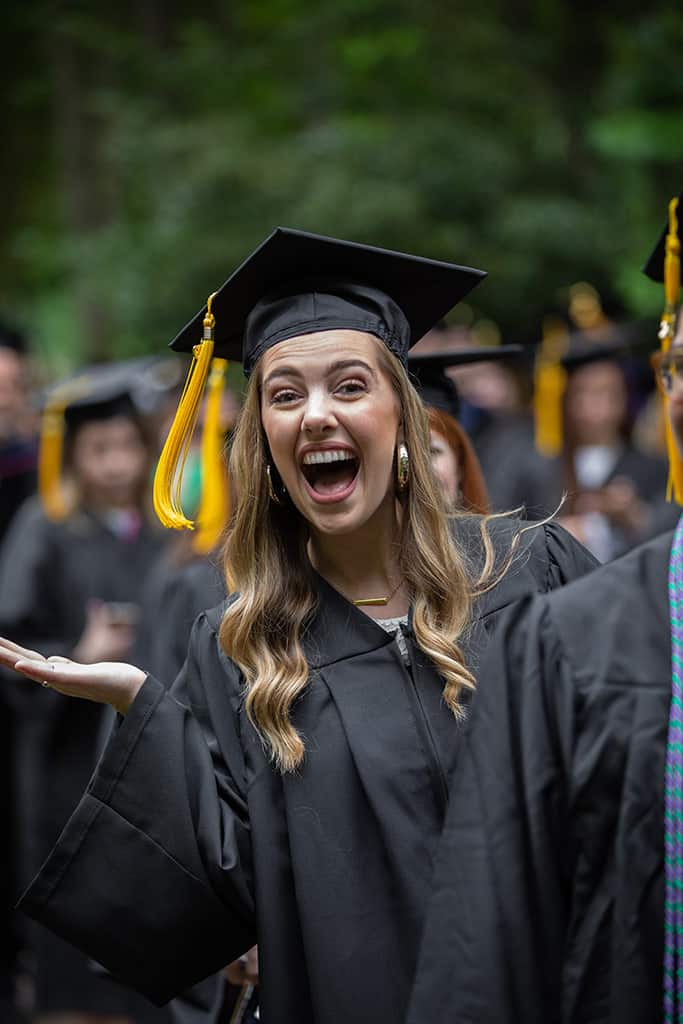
{"points": [[318, 414]]}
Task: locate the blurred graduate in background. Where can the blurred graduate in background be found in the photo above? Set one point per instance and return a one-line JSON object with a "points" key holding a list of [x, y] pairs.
{"points": [[491, 410], [586, 402], [71, 570]]}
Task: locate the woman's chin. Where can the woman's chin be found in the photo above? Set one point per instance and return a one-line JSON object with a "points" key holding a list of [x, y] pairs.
{"points": [[333, 519], [348, 517]]}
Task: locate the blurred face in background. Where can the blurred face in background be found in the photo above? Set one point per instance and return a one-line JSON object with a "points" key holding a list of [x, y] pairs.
{"points": [[445, 466], [13, 394], [596, 404], [109, 461]]}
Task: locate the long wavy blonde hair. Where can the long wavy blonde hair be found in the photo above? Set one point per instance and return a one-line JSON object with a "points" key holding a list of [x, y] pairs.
{"points": [[267, 567]]}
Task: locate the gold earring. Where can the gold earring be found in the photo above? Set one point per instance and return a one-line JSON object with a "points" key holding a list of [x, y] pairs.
{"points": [[402, 467], [272, 494]]}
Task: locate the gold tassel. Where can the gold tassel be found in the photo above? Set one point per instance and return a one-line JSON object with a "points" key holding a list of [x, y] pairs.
{"points": [[169, 473], [214, 506], [672, 279], [667, 330], [50, 455], [550, 381]]}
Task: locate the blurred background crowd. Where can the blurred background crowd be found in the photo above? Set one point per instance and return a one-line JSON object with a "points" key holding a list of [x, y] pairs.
{"points": [[149, 147]]}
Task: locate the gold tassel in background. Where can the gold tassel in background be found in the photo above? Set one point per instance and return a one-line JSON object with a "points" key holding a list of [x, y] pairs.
{"points": [[550, 381], [667, 330], [51, 485], [50, 457], [214, 506], [169, 474]]}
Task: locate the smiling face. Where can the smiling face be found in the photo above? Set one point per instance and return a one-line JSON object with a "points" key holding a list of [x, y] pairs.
{"points": [[332, 421]]}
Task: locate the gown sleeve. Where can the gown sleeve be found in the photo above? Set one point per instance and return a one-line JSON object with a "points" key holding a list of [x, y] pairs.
{"points": [[567, 559], [151, 876], [493, 944]]}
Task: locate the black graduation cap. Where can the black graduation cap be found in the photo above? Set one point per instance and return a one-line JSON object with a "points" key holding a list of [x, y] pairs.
{"points": [[613, 346], [296, 283], [104, 390], [654, 267], [435, 387]]}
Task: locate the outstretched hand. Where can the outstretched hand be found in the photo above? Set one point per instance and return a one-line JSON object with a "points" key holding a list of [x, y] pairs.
{"points": [[108, 682]]}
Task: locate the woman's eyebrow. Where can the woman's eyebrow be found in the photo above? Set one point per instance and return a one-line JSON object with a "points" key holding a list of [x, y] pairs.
{"points": [[347, 364], [282, 371], [339, 364]]}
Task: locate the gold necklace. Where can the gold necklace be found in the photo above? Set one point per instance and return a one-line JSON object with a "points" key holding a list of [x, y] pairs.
{"points": [[365, 602]]}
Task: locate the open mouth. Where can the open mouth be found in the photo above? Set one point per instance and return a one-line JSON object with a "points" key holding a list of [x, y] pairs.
{"points": [[330, 473]]}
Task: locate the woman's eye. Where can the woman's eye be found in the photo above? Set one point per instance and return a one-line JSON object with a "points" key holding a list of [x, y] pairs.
{"points": [[281, 397], [351, 387]]}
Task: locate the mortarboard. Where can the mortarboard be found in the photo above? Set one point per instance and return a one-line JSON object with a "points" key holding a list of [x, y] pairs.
{"points": [[435, 387], [299, 283], [611, 346]]}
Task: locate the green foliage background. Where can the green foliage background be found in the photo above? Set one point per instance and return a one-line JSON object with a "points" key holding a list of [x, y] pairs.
{"points": [[149, 146]]}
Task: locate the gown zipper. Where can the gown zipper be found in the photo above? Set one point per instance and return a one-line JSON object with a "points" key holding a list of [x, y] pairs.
{"points": [[436, 765]]}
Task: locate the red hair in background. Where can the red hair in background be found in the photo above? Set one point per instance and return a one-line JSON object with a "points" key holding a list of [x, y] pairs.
{"points": [[473, 494]]}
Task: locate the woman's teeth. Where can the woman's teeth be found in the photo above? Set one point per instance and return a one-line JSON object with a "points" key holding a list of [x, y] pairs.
{"points": [[334, 455], [330, 471]]}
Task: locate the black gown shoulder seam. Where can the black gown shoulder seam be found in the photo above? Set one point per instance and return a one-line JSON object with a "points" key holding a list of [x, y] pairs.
{"points": [[550, 562]]}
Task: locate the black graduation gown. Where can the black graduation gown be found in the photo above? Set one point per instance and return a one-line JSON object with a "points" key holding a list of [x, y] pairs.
{"points": [[548, 893], [48, 573], [188, 846]]}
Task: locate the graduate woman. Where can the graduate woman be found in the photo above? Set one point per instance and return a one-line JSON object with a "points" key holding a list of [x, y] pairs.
{"points": [[557, 890], [292, 786]]}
